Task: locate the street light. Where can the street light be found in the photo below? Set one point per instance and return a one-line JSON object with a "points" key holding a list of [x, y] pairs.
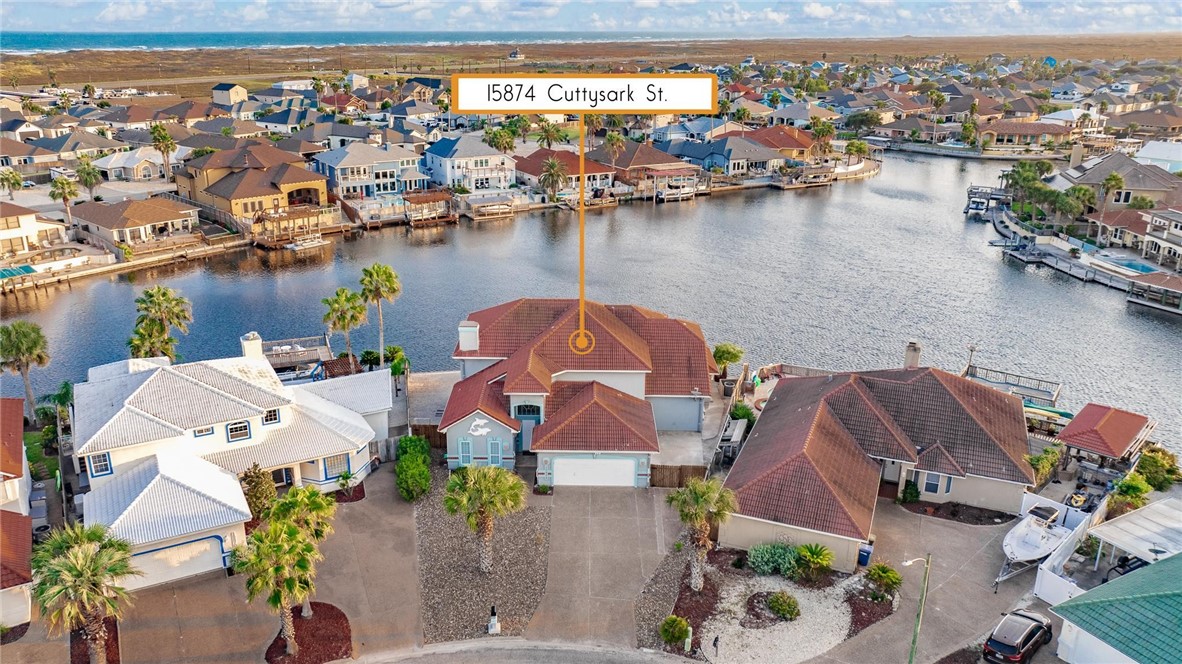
{"points": [[923, 597]]}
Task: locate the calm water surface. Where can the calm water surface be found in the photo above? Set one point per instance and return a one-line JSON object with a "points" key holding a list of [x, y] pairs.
{"points": [[839, 278]]}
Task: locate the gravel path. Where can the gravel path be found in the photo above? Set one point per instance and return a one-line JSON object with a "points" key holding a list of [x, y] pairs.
{"points": [[656, 601], [456, 597], [823, 623]]}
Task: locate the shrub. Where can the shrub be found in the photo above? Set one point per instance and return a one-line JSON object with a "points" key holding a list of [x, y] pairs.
{"points": [[412, 444], [678, 545], [773, 558], [1159, 468], [414, 477], [784, 605], [1088, 547], [259, 488], [1133, 486], [814, 560], [675, 630], [910, 492], [884, 577], [1045, 462], [1119, 504], [742, 411]]}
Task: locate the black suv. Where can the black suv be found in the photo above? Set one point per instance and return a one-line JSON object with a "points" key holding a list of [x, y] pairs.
{"points": [[1017, 637]]}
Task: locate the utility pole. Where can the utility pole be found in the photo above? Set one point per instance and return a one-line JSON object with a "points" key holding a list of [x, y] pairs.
{"points": [[923, 597]]}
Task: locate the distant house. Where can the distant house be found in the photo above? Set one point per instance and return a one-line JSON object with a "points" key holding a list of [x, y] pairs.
{"points": [[191, 112], [344, 102], [1166, 155], [759, 112], [792, 143], [289, 120], [255, 179], [1009, 132], [77, 144], [925, 130], [1079, 121], [334, 134], [800, 114], [1164, 122], [516, 54], [735, 156], [697, 129], [530, 168], [142, 163], [236, 128], [16, 153], [468, 161], [360, 170], [637, 162], [825, 447], [414, 110], [228, 94], [276, 95], [684, 68], [135, 222], [136, 138], [354, 81], [16, 127]]}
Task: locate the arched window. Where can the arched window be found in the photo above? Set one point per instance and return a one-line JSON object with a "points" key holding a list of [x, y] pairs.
{"points": [[529, 410]]}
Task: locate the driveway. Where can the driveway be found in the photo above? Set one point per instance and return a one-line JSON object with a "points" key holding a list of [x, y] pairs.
{"points": [[961, 604], [369, 572], [604, 545]]}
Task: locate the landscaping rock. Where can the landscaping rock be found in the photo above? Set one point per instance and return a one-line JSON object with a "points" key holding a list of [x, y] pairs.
{"points": [[656, 601]]}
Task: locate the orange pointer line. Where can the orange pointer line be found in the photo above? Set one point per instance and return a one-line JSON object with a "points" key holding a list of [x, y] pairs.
{"points": [[582, 228]]}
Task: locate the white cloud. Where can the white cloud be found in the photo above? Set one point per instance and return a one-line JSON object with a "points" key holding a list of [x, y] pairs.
{"points": [[818, 10], [255, 11], [118, 12]]}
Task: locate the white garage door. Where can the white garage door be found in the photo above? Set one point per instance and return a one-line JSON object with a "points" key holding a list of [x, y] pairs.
{"points": [[594, 472], [176, 562]]}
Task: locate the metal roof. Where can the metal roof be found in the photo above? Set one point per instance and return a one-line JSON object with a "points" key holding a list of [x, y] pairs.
{"points": [[1151, 533]]}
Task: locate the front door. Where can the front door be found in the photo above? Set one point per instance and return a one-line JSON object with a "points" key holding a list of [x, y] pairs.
{"points": [[281, 477], [529, 416]]}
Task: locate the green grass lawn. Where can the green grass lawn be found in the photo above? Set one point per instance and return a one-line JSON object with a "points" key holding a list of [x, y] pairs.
{"points": [[37, 458], [567, 134]]}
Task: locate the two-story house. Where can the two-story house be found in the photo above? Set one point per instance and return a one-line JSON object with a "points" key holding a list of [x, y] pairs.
{"points": [[250, 180], [16, 526], [591, 417], [21, 230], [360, 170], [734, 155], [161, 447], [468, 161], [1163, 237]]}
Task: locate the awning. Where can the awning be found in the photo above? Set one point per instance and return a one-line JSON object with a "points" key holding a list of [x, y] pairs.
{"points": [[412, 174], [1151, 533], [673, 172]]}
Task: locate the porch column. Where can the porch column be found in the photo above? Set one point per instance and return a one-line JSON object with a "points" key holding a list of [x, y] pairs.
{"points": [[296, 478]]}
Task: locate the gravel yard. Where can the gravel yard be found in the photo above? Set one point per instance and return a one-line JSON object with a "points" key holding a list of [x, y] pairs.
{"points": [[823, 623], [455, 596], [656, 601]]}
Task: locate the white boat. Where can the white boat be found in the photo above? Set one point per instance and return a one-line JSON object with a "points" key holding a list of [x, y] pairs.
{"points": [[307, 243], [1032, 540], [976, 207], [676, 193]]}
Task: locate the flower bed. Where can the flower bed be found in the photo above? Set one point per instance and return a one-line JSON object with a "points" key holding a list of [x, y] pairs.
{"points": [[696, 607], [14, 633], [357, 495], [325, 637], [974, 516], [659, 596]]}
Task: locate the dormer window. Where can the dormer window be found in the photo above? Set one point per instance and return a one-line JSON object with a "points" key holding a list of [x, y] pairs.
{"points": [[238, 431], [202, 431], [271, 416]]}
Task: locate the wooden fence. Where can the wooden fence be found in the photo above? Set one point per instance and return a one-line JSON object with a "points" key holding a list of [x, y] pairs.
{"points": [[431, 433], [674, 477]]}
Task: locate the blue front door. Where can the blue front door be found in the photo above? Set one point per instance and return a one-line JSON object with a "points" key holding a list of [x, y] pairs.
{"points": [[529, 417]]}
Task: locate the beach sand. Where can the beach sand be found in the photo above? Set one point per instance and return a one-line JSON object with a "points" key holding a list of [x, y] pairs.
{"points": [[190, 73]]}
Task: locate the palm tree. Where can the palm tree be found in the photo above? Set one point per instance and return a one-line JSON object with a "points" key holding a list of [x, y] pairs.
{"points": [[937, 100], [65, 191], [1114, 182], [88, 175], [76, 577], [61, 399], [1066, 204], [549, 134], [380, 282], [399, 363], [318, 86], [593, 123], [310, 510], [279, 562], [702, 505], [724, 108], [741, 115], [482, 494], [613, 142], [553, 178], [166, 307], [614, 121], [1043, 167], [12, 181], [346, 311], [151, 340], [856, 149], [1085, 195], [163, 142], [775, 98], [23, 346]]}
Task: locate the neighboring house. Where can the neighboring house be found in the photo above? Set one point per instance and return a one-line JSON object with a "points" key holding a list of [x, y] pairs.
{"points": [[1163, 240], [362, 170], [355, 80], [16, 153], [191, 112], [228, 94], [790, 142], [252, 179], [1139, 180], [134, 222], [143, 137], [289, 120], [344, 102], [468, 161], [22, 230], [1135, 618], [15, 480], [414, 110], [16, 573], [591, 419], [237, 128], [249, 109], [812, 468], [530, 169], [142, 163], [1010, 132], [1166, 155], [1121, 227], [132, 116], [277, 95], [638, 161], [53, 126], [15, 126], [334, 134], [760, 113], [151, 436], [77, 144], [735, 156], [1108, 432], [801, 114], [1163, 121], [1079, 121], [925, 130], [697, 129]]}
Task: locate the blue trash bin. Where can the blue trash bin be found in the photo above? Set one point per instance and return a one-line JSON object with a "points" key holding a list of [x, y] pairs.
{"points": [[864, 553]]}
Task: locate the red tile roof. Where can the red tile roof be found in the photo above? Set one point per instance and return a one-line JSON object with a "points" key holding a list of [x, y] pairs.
{"points": [[16, 547], [1136, 221], [534, 164], [482, 391], [777, 137], [12, 445], [588, 416], [807, 462], [1104, 430], [1014, 128], [1161, 280]]}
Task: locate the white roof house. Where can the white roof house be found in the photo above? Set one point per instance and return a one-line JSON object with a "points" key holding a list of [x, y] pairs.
{"points": [[162, 446], [141, 163]]}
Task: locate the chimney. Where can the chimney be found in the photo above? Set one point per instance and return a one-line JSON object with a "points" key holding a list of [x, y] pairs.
{"points": [[252, 346], [1077, 152], [469, 335], [911, 356]]}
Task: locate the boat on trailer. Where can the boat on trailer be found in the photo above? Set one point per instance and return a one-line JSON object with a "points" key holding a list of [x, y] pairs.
{"points": [[1031, 541]]}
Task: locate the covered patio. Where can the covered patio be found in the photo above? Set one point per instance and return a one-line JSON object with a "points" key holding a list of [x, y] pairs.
{"points": [[1152, 533]]}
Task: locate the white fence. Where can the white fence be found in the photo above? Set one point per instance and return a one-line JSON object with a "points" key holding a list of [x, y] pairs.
{"points": [[1050, 586]]}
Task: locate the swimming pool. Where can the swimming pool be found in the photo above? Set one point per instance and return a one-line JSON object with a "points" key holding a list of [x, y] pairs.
{"points": [[1130, 264], [9, 272]]}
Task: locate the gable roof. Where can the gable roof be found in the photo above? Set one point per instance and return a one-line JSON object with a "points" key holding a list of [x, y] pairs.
{"points": [[12, 444], [1138, 614], [1015, 128], [16, 548], [249, 155], [165, 496], [1137, 176], [192, 110], [78, 140], [593, 416], [12, 148], [776, 137], [635, 155], [131, 213], [257, 182], [1104, 430], [358, 153], [534, 164], [461, 147]]}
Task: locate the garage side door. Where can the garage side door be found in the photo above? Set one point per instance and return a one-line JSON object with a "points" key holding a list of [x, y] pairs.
{"points": [[594, 472], [176, 562]]}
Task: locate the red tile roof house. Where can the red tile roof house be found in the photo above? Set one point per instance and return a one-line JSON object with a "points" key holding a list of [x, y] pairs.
{"points": [[16, 526], [531, 167], [811, 468], [599, 419], [1107, 432]]}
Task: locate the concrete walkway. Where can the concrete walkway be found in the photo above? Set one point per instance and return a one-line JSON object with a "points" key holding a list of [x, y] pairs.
{"points": [[961, 603], [604, 545], [512, 649]]}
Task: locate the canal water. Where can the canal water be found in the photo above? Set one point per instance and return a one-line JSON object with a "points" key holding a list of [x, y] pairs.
{"points": [[838, 278]]}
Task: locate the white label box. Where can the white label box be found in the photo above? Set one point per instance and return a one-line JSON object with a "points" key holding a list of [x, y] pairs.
{"points": [[584, 93]]}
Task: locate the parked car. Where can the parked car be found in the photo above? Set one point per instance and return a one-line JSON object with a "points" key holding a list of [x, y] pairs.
{"points": [[1017, 637]]}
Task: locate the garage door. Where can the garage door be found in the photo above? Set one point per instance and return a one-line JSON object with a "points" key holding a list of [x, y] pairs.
{"points": [[176, 562], [594, 472]]}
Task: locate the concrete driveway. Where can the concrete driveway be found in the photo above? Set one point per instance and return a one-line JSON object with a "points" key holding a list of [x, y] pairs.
{"points": [[961, 603], [604, 545], [369, 572]]}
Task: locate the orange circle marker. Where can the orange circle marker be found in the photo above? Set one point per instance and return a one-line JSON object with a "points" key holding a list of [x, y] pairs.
{"points": [[581, 342]]}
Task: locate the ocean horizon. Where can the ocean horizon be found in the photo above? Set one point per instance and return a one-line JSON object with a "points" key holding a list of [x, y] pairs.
{"points": [[17, 43]]}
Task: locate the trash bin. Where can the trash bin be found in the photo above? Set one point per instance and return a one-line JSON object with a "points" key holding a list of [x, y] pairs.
{"points": [[864, 553], [728, 386]]}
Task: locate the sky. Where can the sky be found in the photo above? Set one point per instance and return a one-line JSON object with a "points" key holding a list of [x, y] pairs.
{"points": [[724, 18]]}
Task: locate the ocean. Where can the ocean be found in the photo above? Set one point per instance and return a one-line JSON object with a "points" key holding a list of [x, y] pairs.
{"points": [[57, 42]]}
